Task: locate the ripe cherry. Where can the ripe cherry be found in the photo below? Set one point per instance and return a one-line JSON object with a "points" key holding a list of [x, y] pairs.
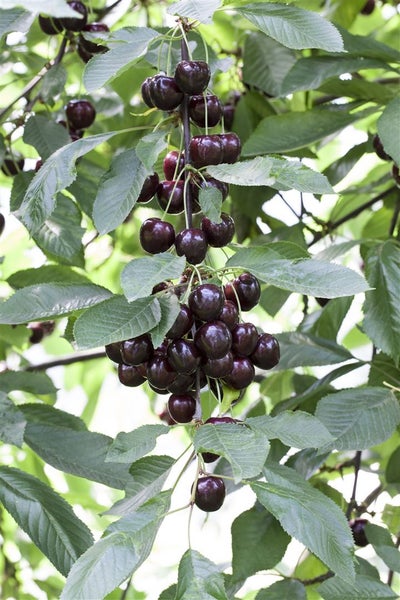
{"points": [[244, 339], [198, 113], [137, 350], [113, 352], [192, 76], [156, 235], [206, 301], [130, 375], [368, 7], [164, 92], [183, 323], [192, 244], [12, 165], [379, 149], [242, 373], [218, 368], [80, 114], [146, 94], [71, 24], [183, 356], [219, 234], [92, 47], [149, 188], [229, 314], [170, 195], [213, 339], [247, 290], [231, 147], [160, 372], [357, 527], [50, 25], [182, 407], [183, 382], [206, 150], [266, 353], [210, 493], [173, 164]]}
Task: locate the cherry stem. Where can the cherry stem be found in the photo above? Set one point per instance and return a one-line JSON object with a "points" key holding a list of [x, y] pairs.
{"points": [[352, 502], [186, 140]]}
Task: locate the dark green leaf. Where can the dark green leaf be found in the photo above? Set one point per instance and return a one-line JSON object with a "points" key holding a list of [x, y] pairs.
{"points": [[389, 129], [45, 135], [141, 274], [338, 170], [46, 274], [392, 473], [199, 579], [54, 81], [327, 322], [367, 46], [298, 429], [302, 350], [12, 422], [33, 383], [383, 545], [170, 307], [363, 588], [130, 446], [287, 589], [43, 414]]}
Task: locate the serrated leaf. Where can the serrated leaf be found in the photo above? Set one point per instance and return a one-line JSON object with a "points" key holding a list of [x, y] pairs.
{"points": [[12, 422], [118, 191], [45, 135], [210, 200], [192, 9], [296, 504], [124, 547], [199, 579], [48, 520], [359, 418], [33, 383], [246, 450], [383, 545], [363, 588], [303, 350], [116, 320], [149, 147], [15, 19], [46, 300], [43, 414], [389, 129], [57, 8], [129, 447], [52, 84], [298, 429], [293, 27], [169, 307], [287, 589], [149, 475], [46, 274], [141, 274]]}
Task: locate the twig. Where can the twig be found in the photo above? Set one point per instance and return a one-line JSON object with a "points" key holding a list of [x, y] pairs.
{"points": [[318, 579], [352, 502], [66, 360]]}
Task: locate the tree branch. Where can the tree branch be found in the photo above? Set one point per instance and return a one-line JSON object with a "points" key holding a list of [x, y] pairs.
{"points": [[66, 360]]}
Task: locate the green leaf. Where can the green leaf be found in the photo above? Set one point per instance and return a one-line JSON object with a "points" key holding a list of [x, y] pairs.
{"points": [[246, 450], [339, 168], [56, 174], [43, 414], [118, 191], [199, 579], [383, 545], [193, 10], [330, 319], [128, 447], [57, 8], [298, 429], [359, 418], [15, 19], [293, 27], [302, 350], [367, 46], [34, 383], [54, 81], [392, 473], [296, 504], [12, 422], [149, 147], [48, 520], [308, 276], [45, 135], [210, 200], [252, 550], [46, 300], [149, 475], [126, 46], [363, 588], [287, 589], [170, 307], [141, 274], [124, 547], [116, 320], [46, 274], [381, 307]]}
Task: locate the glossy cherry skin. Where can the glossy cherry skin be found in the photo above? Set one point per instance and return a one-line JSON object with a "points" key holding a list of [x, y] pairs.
{"points": [[71, 24], [89, 46], [231, 147], [149, 188], [219, 234], [218, 368], [137, 350], [182, 407], [242, 373], [183, 356], [206, 301], [192, 244], [368, 7], [113, 352], [80, 114], [146, 95], [130, 375], [266, 353], [173, 164], [183, 382], [197, 110], [156, 235], [244, 339], [50, 25], [160, 372], [182, 325], [164, 92], [12, 165], [229, 314], [247, 290], [228, 111], [206, 150], [170, 196], [357, 527], [210, 493], [379, 149], [213, 339], [192, 76]]}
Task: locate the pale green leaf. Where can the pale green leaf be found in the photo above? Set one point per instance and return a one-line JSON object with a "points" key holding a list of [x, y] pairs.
{"points": [[286, 589], [140, 275], [169, 307], [199, 579], [12, 422], [298, 429], [52, 85], [192, 9], [15, 19], [303, 350], [130, 446], [389, 129], [210, 200], [150, 146], [363, 588], [44, 135], [383, 545]]}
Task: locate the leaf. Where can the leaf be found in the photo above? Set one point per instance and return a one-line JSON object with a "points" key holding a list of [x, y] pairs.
{"points": [[45, 136], [43, 414], [383, 545], [57, 8], [46, 274], [287, 589], [48, 520], [338, 170], [210, 200], [141, 274], [128, 447], [33, 383], [193, 10], [149, 147], [56, 174], [327, 325], [308, 276], [359, 418], [54, 81], [246, 450], [170, 307], [149, 475], [363, 588], [12, 422], [116, 320], [392, 473], [124, 547], [296, 504], [302, 350], [381, 307], [118, 191], [293, 27], [252, 550], [15, 19], [126, 46], [199, 579], [298, 429]]}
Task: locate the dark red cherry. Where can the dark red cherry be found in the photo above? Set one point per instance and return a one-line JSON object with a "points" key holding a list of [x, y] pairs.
{"points": [[183, 323], [213, 339], [92, 47], [130, 375], [210, 493], [149, 188], [357, 527], [71, 24], [192, 76], [113, 352], [164, 92], [228, 111], [146, 95], [84, 54], [50, 25], [183, 356], [231, 147], [12, 165], [219, 234], [2, 223], [192, 244], [218, 368], [80, 114], [247, 290], [368, 7], [137, 350], [229, 314], [244, 339], [161, 287], [242, 373], [170, 195], [183, 382], [206, 301], [266, 353], [173, 164], [379, 149], [206, 150], [182, 407], [160, 372], [156, 235], [198, 113]]}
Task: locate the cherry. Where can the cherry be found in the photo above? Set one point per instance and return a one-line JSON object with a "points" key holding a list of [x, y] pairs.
{"points": [[244, 339], [247, 290], [183, 356], [84, 54], [242, 373], [192, 76], [113, 352], [156, 235], [92, 47], [210, 493], [146, 92], [209, 182], [206, 150], [218, 367], [130, 375], [182, 407], [368, 7], [39, 165], [74, 134], [80, 114], [213, 339], [164, 92], [2, 223], [198, 112], [192, 244], [379, 149], [228, 111], [183, 382], [137, 350], [183, 323], [357, 527], [206, 301], [161, 287], [149, 188], [50, 25], [266, 353], [231, 147], [40, 329], [218, 234], [12, 165], [229, 314], [170, 195], [173, 164], [71, 24], [160, 372]]}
